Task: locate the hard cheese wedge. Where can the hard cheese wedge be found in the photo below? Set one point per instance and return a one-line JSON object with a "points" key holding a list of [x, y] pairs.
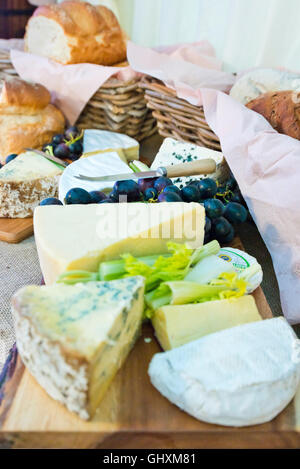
{"points": [[177, 325], [81, 236], [73, 339], [24, 182], [95, 139]]}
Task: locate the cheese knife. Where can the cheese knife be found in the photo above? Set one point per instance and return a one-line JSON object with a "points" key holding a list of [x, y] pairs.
{"points": [[205, 166], [49, 157]]}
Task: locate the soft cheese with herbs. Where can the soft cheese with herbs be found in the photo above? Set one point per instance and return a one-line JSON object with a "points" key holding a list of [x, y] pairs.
{"points": [[24, 182], [76, 237], [73, 339]]}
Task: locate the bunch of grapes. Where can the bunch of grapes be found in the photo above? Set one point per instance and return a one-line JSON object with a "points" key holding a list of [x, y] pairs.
{"points": [[67, 146], [224, 205]]}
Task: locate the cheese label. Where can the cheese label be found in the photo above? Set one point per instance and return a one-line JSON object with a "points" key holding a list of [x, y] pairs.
{"points": [[239, 261]]}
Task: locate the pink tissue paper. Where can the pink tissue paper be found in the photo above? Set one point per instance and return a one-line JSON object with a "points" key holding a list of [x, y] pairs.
{"points": [[72, 86], [265, 165], [185, 68]]}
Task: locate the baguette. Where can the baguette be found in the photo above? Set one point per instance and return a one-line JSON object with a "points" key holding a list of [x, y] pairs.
{"points": [[75, 32], [281, 109]]}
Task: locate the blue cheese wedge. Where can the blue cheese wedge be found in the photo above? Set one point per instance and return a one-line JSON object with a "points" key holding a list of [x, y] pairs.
{"points": [[105, 141], [174, 152], [74, 338], [24, 182], [240, 376]]}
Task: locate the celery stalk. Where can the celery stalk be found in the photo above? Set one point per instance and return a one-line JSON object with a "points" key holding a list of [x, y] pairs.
{"points": [[77, 276], [111, 270], [188, 292], [209, 249]]}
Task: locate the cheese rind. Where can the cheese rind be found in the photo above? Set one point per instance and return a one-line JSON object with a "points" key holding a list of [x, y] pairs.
{"points": [[177, 325], [241, 376], [100, 165], [173, 152], [24, 182], [73, 339], [95, 139], [76, 237]]}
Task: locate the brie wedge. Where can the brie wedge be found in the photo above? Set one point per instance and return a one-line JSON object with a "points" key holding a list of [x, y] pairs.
{"points": [[241, 376], [96, 165], [104, 140]]}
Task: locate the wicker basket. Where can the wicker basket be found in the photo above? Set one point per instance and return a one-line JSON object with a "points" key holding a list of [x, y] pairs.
{"points": [[119, 106], [6, 67], [176, 117]]}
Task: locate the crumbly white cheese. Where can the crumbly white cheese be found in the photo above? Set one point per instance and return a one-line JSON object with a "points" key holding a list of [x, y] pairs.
{"points": [[240, 376], [173, 152]]}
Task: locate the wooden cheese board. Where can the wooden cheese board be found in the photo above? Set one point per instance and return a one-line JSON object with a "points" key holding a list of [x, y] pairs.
{"points": [[15, 230], [133, 414]]}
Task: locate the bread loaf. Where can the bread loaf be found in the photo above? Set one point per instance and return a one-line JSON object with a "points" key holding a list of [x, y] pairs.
{"points": [[75, 32], [27, 119], [281, 109]]}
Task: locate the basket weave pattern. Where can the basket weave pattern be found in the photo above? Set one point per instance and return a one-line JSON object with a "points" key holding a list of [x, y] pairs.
{"points": [[176, 117], [6, 67], [119, 106]]}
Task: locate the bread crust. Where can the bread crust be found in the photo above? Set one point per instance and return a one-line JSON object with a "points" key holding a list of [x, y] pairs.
{"points": [[27, 120], [16, 92], [281, 109], [92, 33]]}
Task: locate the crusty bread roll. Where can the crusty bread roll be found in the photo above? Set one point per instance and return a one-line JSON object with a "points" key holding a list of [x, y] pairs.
{"points": [[27, 119], [75, 32], [281, 109]]}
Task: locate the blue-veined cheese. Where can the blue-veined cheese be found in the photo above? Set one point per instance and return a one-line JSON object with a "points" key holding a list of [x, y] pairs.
{"points": [[76, 237], [24, 182], [174, 152], [74, 338], [241, 376]]}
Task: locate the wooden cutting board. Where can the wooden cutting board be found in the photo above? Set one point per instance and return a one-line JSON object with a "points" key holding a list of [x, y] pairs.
{"points": [[14, 230], [133, 413]]}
